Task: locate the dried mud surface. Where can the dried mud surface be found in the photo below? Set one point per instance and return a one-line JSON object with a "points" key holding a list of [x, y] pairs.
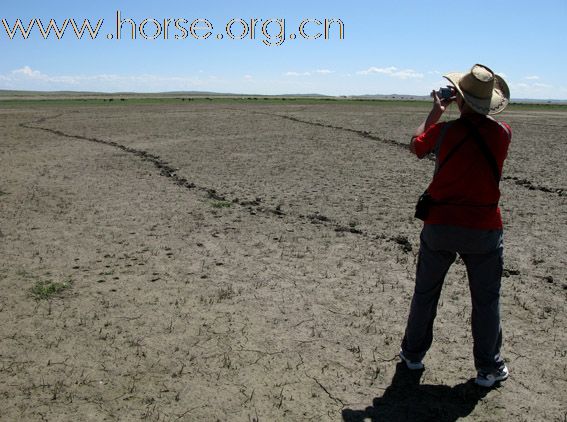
{"points": [[251, 262]]}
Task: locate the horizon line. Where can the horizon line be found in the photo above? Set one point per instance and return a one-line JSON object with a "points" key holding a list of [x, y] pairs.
{"points": [[19, 92]]}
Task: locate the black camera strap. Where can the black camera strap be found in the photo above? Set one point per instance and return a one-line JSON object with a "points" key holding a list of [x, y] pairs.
{"points": [[484, 149], [450, 153], [474, 132]]}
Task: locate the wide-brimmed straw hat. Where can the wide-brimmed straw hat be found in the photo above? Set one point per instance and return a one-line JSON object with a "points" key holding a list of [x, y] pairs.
{"points": [[484, 91]]}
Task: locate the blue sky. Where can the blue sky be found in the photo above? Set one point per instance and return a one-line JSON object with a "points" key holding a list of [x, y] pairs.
{"points": [[401, 47]]}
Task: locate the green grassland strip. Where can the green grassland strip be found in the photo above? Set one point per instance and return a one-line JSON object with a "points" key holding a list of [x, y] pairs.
{"points": [[114, 100]]}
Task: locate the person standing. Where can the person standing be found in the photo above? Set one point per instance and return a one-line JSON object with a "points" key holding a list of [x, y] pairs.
{"points": [[461, 216]]}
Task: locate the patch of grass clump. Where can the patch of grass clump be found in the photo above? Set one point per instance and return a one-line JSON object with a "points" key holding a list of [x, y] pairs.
{"points": [[221, 204], [43, 290], [224, 293]]}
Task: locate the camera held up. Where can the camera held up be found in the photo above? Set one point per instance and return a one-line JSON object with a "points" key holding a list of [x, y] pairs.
{"points": [[446, 93]]}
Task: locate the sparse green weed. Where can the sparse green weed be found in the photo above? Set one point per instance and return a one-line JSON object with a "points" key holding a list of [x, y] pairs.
{"points": [[42, 290], [225, 293], [221, 204]]}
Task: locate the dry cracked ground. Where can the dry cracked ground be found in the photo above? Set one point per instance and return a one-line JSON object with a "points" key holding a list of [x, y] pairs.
{"points": [[241, 261]]}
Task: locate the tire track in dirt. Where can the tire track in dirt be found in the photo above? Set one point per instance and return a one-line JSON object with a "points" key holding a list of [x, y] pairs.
{"points": [[363, 133], [525, 183], [252, 206]]}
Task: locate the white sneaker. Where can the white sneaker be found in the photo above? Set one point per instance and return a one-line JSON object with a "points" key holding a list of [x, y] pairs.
{"points": [[411, 365], [488, 379]]}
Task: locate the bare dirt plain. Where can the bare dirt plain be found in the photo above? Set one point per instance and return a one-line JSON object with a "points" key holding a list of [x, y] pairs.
{"points": [[254, 261]]}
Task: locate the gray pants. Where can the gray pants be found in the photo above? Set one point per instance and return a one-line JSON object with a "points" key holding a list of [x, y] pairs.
{"points": [[482, 253]]}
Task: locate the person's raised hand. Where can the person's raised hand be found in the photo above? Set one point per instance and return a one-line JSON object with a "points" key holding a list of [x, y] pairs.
{"points": [[441, 104]]}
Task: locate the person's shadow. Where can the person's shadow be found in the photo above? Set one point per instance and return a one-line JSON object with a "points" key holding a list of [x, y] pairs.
{"points": [[408, 400]]}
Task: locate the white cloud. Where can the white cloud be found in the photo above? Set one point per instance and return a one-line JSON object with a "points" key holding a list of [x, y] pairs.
{"points": [[393, 72], [26, 78], [536, 90], [310, 73], [532, 78], [323, 71], [28, 71], [385, 70], [392, 80], [534, 85], [297, 74]]}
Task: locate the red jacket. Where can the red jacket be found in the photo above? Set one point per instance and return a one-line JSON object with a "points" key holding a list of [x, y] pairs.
{"points": [[465, 191]]}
